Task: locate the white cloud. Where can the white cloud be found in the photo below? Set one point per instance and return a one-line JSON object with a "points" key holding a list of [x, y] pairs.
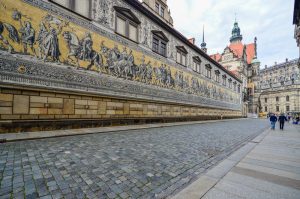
{"points": [[269, 20]]}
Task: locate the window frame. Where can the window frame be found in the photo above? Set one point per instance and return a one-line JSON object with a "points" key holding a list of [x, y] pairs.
{"points": [[160, 10], [234, 86], [224, 79], [217, 76], [277, 99], [287, 98], [197, 64], [208, 69], [287, 108], [277, 109], [130, 19], [71, 8], [183, 53], [229, 83], [162, 41]]}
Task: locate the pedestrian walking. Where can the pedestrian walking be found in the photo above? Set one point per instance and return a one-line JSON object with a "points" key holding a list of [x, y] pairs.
{"points": [[281, 120], [273, 120]]}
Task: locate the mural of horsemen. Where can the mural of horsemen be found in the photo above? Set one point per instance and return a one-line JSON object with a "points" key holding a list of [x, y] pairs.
{"points": [[54, 40]]}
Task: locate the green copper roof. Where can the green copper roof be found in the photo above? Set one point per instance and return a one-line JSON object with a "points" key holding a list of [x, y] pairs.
{"points": [[236, 33], [254, 61]]}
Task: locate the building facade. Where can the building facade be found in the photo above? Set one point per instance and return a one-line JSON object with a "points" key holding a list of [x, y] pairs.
{"points": [[240, 59], [272, 89], [278, 88], [296, 22], [71, 63]]}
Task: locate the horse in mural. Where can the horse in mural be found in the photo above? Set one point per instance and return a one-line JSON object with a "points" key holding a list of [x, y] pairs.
{"points": [[12, 34], [77, 51]]}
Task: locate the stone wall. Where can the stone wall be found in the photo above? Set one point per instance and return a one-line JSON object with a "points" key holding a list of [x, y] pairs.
{"points": [[49, 81], [29, 110]]}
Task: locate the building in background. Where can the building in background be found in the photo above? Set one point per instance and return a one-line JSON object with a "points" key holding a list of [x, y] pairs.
{"points": [[272, 89], [278, 88], [241, 59], [296, 22]]}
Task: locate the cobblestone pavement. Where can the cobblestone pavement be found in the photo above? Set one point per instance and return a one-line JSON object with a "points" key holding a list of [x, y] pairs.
{"points": [[134, 164]]}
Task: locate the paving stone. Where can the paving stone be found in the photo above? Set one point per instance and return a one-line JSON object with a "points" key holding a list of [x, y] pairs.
{"points": [[143, 163]]}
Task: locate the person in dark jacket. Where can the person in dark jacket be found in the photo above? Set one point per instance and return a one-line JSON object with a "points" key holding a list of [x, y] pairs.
{"points": [[273, 120], [281, 120]]}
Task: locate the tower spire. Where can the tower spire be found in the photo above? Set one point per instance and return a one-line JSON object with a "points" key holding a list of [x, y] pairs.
{"points": [[203, 44], [236, 33], [203, 35], [235, 17]]}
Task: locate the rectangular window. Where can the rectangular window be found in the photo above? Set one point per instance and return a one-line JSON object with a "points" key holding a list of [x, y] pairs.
{"points": [[208, 72], [277, 108], [266, 100], [217, 78], [64, 3], [121, 26], [163, 49], [181, 57], [196, 66], [132, 32], [126, 24], [159, 44], [230, 83], [81, 7], [155, 44], [157, 7], [178, 57], [266, 109], [224, 81], [277, 99], [287, 98], [287, 108], [239, 88], [162, 12]]}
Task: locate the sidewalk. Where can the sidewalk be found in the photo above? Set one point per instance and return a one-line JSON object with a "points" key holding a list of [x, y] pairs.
{"points": [[10, 137], [268, 167]]}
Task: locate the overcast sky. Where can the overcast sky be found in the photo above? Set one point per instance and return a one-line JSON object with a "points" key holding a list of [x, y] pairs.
{"points": [[269, 20]]}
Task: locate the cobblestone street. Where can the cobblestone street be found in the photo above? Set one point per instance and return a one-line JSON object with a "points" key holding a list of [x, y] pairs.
{"points": [[134, 164]]}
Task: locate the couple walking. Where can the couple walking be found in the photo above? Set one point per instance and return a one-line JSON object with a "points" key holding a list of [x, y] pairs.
{"points": [[281, 119]]}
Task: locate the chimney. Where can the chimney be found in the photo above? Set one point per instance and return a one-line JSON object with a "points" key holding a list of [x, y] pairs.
{"points": [[192, 40], [266, 66]]}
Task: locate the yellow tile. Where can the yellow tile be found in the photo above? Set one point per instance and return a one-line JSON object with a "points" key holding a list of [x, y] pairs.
{"points": [[6, 97], [21, 104]]}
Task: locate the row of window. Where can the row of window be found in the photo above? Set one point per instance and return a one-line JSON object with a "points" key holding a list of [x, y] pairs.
{"points": [[287, 98], [126, 25], [287, 108]]}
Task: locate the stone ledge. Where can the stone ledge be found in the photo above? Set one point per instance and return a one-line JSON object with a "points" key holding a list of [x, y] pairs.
{"points": [[9, 137]]}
